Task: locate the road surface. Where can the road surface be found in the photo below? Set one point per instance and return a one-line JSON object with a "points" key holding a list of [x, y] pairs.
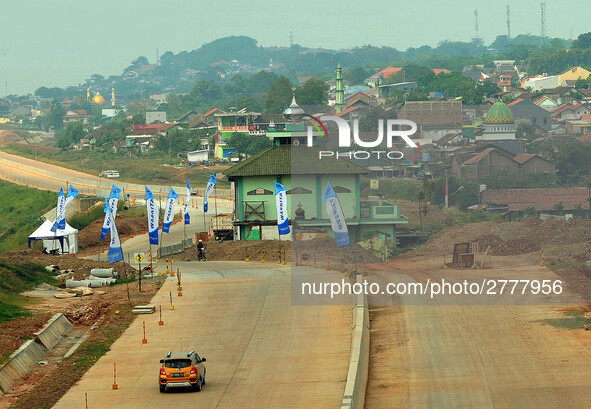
{"points": [[475, 356], [262, 352], [42, 175]]}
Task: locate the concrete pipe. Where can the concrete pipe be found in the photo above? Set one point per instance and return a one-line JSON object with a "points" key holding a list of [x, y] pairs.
{"points": [[103, 272], [76, 283]]}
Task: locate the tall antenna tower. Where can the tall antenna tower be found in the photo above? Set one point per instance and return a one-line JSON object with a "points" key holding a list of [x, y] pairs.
{"points": [[476, 23], [508, 22], [291, 38], [157, 57], [542, 22]]}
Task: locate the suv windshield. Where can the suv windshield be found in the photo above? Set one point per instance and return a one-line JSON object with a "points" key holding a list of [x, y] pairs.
{"points": [[177, 363]]}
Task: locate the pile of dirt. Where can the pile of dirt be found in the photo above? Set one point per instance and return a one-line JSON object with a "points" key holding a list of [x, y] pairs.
{"points": [[254, 249], [560, 240], [90, 236], [81, 266]]}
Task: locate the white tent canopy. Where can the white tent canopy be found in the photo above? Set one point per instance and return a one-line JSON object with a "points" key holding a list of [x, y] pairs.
{"points": [[63, 241]]}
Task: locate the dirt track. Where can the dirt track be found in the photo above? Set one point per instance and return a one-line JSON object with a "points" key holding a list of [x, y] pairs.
{"points": [[454, 356]]}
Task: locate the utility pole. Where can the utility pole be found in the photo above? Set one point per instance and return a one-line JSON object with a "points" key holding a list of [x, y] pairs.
{"points": [[291, 38]]}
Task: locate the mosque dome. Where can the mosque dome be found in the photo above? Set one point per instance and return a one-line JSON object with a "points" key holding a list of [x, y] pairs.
{"points": [[294, 112], [98, 99], [499, 113]]}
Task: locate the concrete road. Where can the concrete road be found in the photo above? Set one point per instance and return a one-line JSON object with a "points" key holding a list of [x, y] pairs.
{"points": [[42, 175], [261, 351]]}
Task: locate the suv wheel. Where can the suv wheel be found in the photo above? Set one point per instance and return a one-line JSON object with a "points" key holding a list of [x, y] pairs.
{"points": [[198, 385], [162, 389], [203, 381]]}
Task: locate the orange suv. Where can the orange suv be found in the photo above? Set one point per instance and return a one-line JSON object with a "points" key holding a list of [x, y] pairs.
{"points": [[182, 369]]}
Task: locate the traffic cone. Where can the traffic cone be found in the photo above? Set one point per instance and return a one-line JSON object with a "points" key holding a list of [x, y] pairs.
{"points": [[131, 233]]}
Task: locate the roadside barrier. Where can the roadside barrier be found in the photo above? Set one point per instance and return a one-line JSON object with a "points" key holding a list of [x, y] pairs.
{"points": [[161, 323], [354, 395]]}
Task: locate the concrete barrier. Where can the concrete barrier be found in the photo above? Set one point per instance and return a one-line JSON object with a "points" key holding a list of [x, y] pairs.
{"points": [[354, 395], [54, 330], [20, 363]]}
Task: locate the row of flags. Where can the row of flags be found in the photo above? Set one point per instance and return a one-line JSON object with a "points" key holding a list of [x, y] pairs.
{"points": [[333, 208]]}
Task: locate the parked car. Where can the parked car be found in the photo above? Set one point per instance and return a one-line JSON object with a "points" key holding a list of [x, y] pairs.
{"points": [[180, 369]]}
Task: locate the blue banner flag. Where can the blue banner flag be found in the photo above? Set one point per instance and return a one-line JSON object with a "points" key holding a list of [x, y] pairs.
{"points": [[112, 205], [115, 252], [208, 190], [60, 221], [152, 217], [281, 203], [187, 200], [337, 218], [169, 212]]}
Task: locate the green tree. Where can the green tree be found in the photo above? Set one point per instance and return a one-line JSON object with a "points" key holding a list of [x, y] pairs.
{"points": [[583, 41], [530, 211], [526, 131], [52, 117], [313, 92], [279, 96], [355, 75]]}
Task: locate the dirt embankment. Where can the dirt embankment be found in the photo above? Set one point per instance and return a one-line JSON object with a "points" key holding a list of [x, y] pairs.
{"points": [[90, 236], [254, 249], [560, 240], [81, 266]]}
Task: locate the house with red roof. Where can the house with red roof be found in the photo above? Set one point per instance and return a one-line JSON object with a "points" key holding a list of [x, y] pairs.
{"points": [[379, 77], [491, 161], [567, 112], [151, 129]]}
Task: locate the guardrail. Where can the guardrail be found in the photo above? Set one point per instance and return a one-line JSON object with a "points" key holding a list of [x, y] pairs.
{"points": [[354, 395], [175, 248]]}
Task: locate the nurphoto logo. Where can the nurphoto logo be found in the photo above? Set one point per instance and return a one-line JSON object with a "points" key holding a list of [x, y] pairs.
{"points": [[393, 129]]}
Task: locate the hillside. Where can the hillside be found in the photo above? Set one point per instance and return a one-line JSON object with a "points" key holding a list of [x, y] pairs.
{"points": [[20, 213]]}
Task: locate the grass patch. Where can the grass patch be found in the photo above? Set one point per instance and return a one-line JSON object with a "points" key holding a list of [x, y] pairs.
{"points": [[572, 320], [11, 311], [20, 213], [14, 279]]}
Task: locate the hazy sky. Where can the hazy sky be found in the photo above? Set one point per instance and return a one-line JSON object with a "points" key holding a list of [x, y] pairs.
{"points": [[62, 42]]}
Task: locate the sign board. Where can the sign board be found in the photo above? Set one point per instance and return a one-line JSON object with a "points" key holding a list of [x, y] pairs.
{"points": [[139, 257], [374, 183]]}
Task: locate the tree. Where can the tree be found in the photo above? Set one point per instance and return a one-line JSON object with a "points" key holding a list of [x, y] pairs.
{"points": [[530, 211], [583, 41], [72, 133], [369, 122], [279, 96], [355, 75], [526, 131], [53, 116], [313, 92], [141, 60]]}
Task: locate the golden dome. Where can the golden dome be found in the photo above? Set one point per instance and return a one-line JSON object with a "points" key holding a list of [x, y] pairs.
{"points": [[98, 99]]}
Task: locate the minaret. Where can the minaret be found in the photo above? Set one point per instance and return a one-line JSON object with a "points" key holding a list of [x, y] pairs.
{"points": [[88, 94], [113, 100], [340, 91]]}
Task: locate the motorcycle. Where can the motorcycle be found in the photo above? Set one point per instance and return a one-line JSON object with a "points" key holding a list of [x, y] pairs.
{"points": [[200, 254]]}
